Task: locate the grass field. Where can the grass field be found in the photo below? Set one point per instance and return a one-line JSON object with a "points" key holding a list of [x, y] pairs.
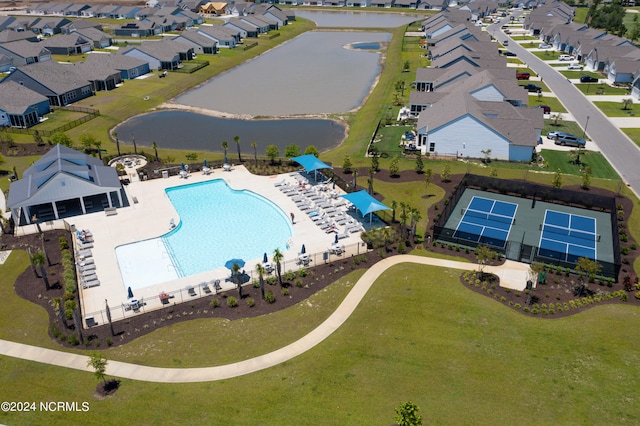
{"points": [[615, 109], [551, 101], [563, 126], [634, 134], [418, 335], [600, 167], [600, 88]]}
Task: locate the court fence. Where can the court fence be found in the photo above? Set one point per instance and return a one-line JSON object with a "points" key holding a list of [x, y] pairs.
{"points": [[194, 291], [517, 250]]}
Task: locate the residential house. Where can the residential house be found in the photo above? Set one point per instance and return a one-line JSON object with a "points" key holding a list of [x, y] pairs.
{"points": [[145, 13], [6, 63], [622, 71], [274, 13], [213, 8], [138, 29], [76, 9], [200, 43], [635, 87], [381, 3], [125, 12], [5, 21], [21, 106], [22, 24], [219, 34], [81, 24], [99, 39], [8, 36], [58, 9], [64, 183], [105, 11], [406, 4], [260, 23], [23, 52], [601, 55], [158, 54], [245, 29], [431, 4], [128, 66], [99, 77], [358, 3], [49, 26], [58, 82], [67, 44]]}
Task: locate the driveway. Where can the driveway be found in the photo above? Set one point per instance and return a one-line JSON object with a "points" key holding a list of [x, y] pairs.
{"points": [[619, 150]]}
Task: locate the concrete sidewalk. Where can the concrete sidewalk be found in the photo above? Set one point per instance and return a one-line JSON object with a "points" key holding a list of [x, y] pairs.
{"points": [[512, 274]]}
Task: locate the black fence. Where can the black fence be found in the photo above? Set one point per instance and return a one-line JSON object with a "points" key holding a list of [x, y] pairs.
{"points": [[91, 114], [517, 250]]}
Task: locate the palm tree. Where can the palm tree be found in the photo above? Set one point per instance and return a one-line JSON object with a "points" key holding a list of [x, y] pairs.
{"points": [[225, 145], [154, 145], [115, 135], [261, 271], [236, 277], [415, 218], [37, 260], [277, 257], [355, 175], [255, 151], [394, 206], [403, 218], [626, 103], [237, 141]]}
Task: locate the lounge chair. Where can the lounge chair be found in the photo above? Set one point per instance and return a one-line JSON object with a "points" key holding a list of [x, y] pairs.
{"points": [[340, 203], [86, 262], [192, 291], [86, 268], [281, 183], [354, 228], [88, 273], [304, 207], [216, 285], [343, 235], [84, 253], [205, 287], [90, 284], [319, 218], [86, 246]]}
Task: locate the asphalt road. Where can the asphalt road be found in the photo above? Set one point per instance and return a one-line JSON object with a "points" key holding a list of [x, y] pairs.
{"points": [[619, 150]]}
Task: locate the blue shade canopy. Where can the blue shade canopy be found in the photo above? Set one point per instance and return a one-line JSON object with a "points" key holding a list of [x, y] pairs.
{"points": [[310, 162], [230, 263], [365, 202]]}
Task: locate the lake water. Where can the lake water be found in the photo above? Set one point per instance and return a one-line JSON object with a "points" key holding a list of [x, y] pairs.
{"points": [[197, 132], [353, 19], [313, 74]]}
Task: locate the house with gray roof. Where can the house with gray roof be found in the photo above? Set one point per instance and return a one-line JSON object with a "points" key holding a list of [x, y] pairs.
{"points": [[406, 4], [23, 52], [20, 106], [197, 41], [64, 183], [67, 44], [244, 28], [274, 12], [138, 29], [58, 9], [432, 4], [158, 54], [128, 67], [6, 63], [7, 36], [601, 55], [81, 24], [260, 24], [76, 9], [99, 77], [125, 12], [635, 87], [99, 39], [623, 70], [58, 82], [217, 33], [5, 21], [49, 26]]}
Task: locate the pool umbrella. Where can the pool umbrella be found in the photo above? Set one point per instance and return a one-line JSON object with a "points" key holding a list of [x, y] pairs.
{"points": [[335, 240], [265, 259], [226, 160], [182, 166], [205, 163], [231, 262], [130, 292], [304, 249]]}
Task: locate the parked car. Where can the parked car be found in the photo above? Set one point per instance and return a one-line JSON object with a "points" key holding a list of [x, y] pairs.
{"points": [[505, 43], [523, 75], [507, 53], [546, 109], [574, 66], [533, 88], [544, 46], [566, 58], [555, 134], [570, 140], [588, 79]]}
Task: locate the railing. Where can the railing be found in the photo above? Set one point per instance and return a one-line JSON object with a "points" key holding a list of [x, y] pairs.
{"points": [[196, 291]]}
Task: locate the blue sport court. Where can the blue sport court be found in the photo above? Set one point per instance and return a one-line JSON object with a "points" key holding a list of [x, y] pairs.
{"points": [[568, 236], [486, 221]]}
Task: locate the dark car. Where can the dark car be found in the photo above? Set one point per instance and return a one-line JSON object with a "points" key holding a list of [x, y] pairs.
{"points": [[533, 88], [588, 79], [523, 75], [546, 109], [507, 53], [570, 140]]}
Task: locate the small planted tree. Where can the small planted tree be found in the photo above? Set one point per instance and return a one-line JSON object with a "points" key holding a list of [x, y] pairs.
{"points": [[428, 174], [586, 268], [627, 103], [272, 152], [487, 155], [277, 258], [98, 362], [419, 163], [291, 150], [346, 164], [483, 255], [261, 271], [407, 414], [446, 173], [225, 146], [254, 145], [311, 149], [586, 178], [154, 145], [236, 139], [556, 182], [394, 169]]}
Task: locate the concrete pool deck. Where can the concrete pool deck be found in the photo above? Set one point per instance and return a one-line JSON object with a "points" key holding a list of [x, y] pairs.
{"points": [[150, 217]]}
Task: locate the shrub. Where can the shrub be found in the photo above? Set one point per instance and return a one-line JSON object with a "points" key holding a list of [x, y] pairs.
{"points": [[302, 272], [290, 275], [73, 339], [250, 302], [634, 246], [214, 303], [624, 297], [285, 291], [402, 247], [109, 341], [269, 297], [232, 302], [518, 306], [298, 283], [256, 284], [637, 295], [64, 244], [272, 280], [526, 309]]}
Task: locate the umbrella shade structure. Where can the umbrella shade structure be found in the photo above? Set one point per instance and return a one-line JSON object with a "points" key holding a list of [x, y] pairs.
{"points": [[182, 166], [335, 240], [205, 163], [304, 250], [365, 203], [226, 160], [265, 259], [130, 293], [311, 163], [229, 264]]}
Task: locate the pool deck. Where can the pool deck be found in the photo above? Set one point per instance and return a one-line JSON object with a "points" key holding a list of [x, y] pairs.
{"points": [[150, 217]]}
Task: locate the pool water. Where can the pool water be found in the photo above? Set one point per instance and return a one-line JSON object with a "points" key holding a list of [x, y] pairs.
{"points": [[216, 224]]}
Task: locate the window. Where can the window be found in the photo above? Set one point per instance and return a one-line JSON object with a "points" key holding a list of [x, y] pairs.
{"points": [[432, 147], [86, 90], [71, 96]]}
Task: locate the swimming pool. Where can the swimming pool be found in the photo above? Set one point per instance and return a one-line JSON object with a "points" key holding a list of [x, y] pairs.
{"points": [[216, 224]]}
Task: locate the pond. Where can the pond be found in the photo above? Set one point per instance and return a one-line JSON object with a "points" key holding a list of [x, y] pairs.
{"points": [[354, 19], [197, 132]]}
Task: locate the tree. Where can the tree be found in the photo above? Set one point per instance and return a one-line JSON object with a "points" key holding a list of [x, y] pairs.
{"points": [[87, 141], [586, 268], [627, 103], [135, 147], [407, 414], [98, 362], [38, 260], [556, 182], [634, 32], [609, 17], [292, 150], [272, 152], [428, 174], [261, 271], [346, 164], [277, 258], [407, 66], [37, 138], [62, 139], [355, 178], [419, 163], [115, 135], [415, 216], [370, 182], [487, 155], [575, 154], [375, 163], [237, 141], [483, 255], [403, 218], [446, 173], [586, 178], [557, 119], [154, 145], [494, 172], [236, 277], [394, 206], [311, 149], [254, 145], [394, 169], [225, 146]]}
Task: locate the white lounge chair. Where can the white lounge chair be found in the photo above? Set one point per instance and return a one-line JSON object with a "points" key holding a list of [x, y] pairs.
{"points": [[89, 284], [354, 228], [281, 183]]}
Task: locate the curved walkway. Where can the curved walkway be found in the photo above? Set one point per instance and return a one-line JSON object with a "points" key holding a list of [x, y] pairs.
{"points": [[512, 274]]}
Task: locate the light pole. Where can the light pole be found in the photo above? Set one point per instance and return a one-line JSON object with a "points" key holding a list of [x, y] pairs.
{"points": [[584, 132]]}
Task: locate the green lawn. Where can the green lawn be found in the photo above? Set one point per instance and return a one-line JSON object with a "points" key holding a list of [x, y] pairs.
{"points": [[389, 139], [544, 87], [418, 335], [614, 109], [551, 101], [578, 74], [524, 38], [563, 126], [634, 134], [548, 55], [600, 167], [600, 88]]}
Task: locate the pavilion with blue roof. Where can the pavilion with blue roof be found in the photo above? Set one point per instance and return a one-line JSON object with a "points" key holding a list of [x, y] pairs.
{"points": [[364, 202]]}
